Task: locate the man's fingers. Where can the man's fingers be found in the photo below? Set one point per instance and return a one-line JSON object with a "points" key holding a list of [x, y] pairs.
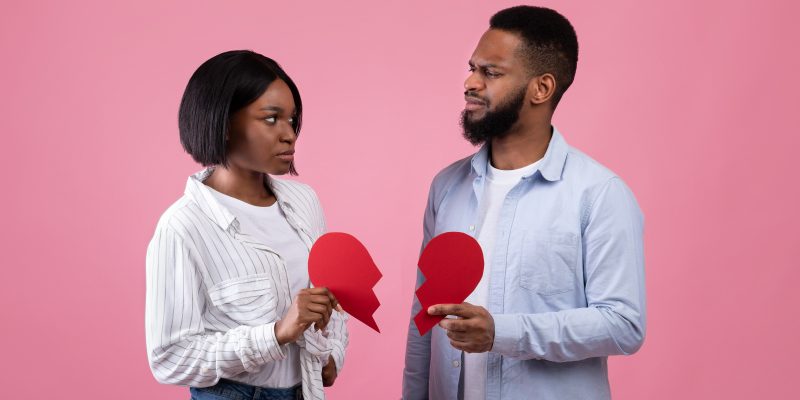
{"points": [[456, 325], [443, 309], [459, 345], [458, 336], [459, 310]]}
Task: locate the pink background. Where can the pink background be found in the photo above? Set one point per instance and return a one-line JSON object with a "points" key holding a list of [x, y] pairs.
{"points": [[692, 103]]}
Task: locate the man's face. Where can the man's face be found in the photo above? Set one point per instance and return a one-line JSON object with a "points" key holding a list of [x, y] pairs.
{"points": [[496, 87]]}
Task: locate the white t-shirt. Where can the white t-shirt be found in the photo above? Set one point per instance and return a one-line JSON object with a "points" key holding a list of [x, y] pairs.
{"points": [[498, 184], [268, 225]]}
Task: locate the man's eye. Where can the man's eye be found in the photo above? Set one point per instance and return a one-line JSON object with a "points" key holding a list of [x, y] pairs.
{"points": [[471, 69], [271, 120], [491, 74]]}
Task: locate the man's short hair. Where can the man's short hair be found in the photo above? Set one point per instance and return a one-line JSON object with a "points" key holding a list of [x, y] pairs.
{"points": [[549, 42]]}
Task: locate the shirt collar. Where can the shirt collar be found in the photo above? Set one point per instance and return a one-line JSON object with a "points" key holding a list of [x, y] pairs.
{"points": [[211, 207], [551, 166]]}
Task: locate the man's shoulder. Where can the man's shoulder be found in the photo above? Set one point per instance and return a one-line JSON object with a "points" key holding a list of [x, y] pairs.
{"points": [[453, 172], [593, 179], [581, 167]]}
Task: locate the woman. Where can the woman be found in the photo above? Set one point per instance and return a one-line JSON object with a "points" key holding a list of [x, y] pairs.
{"points": [[229, 309]]}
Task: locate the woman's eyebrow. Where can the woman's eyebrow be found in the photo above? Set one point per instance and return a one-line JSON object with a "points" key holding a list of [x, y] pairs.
{"points": [[278, 110]]}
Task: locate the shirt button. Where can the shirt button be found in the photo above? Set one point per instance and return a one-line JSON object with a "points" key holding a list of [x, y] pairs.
{"points": [[472, 227], [456, 364]]}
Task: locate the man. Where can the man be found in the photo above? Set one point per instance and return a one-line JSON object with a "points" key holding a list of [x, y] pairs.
{"points": [[563, 283]]}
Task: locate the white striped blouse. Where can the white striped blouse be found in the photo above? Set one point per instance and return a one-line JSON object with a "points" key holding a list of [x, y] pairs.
{"points": [[214, 293]]}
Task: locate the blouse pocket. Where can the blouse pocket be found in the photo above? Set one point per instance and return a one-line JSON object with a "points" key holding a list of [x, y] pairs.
{"points": [[248, 300], [548, 262]]}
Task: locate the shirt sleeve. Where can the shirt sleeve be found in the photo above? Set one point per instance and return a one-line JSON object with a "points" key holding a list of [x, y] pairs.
{"points": [[179, 349], [614, 320], [338, 338], [418, 348]]}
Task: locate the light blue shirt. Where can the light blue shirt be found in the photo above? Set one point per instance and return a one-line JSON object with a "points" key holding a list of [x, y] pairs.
{"points": [[566, 280]]}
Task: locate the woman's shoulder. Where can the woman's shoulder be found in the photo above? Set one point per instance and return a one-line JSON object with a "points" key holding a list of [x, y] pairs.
{"points": [[180, 217]]}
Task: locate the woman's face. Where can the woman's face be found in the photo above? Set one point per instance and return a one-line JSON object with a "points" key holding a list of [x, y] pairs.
{"points": [[262, 136]]}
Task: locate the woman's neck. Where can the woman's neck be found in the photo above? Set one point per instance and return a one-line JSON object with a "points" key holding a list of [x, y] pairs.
{"points": [[245, 185]]}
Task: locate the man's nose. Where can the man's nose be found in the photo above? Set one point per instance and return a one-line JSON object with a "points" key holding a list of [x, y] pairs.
{"points": [[473, 83]]}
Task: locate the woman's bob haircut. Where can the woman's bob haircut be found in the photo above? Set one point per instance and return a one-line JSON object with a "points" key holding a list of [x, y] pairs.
{"points": [[223, 85]]}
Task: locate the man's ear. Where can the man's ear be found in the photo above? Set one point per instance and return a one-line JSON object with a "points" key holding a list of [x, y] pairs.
{"points": [[541, 88]]}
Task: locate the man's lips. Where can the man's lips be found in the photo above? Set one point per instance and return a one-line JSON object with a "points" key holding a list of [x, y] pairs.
{"points": [[473, 103]]}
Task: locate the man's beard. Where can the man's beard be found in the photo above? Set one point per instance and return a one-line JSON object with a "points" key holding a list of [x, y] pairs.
{"points": [[495, 124]]}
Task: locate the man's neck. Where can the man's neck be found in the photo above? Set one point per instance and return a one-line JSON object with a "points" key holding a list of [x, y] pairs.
{"points": [[520, 147]]}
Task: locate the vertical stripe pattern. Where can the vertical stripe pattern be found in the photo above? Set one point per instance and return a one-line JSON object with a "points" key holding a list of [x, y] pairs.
{"points": [[214, 293]]}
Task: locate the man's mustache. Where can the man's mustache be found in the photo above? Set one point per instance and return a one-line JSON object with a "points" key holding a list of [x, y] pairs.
{"points": [[472, 95]]}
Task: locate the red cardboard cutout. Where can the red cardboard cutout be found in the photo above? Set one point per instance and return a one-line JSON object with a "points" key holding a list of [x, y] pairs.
{"points": [[453, 265], [341, 263]]}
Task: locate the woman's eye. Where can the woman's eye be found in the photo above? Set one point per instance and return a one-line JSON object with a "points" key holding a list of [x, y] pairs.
{"points": [[291, 121], [271, 120]]}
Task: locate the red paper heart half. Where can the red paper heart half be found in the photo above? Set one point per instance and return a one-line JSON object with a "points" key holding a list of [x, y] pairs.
{"points": [[453, 266], [341, 263]]}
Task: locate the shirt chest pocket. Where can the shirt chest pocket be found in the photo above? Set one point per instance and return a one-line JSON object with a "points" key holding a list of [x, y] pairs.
{"points": [[548, 262], [248, 300]]}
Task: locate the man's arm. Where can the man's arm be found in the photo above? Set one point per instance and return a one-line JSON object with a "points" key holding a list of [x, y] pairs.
{"points": [[612, 323], [614, 320], [418, 348]]}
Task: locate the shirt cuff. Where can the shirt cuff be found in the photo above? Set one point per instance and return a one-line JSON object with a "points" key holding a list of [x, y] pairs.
{"points": [[507, 334], [267, 343], [337, 352]]}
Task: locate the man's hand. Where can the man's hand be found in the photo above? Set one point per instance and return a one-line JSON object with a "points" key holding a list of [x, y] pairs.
{"points": [[329, 373], [472, 332]]}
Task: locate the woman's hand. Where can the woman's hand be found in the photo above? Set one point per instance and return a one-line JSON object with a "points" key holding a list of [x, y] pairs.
{"points": [[329, 373], [310, 306]]}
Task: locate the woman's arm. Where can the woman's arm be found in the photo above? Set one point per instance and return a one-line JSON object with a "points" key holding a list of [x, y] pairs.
{"points": [[179, 348]]}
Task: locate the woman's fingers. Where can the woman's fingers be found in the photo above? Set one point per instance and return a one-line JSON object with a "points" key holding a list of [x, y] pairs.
{"points": [[318, 314], [309, 317], [323, 291], [316, 306]]}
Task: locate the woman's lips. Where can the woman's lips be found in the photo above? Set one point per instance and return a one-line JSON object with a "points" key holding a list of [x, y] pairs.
{"points": [[287, 156]]}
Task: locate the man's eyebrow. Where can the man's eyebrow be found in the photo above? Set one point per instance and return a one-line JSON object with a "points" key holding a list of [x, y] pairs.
{"points": [[486, 65]]}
